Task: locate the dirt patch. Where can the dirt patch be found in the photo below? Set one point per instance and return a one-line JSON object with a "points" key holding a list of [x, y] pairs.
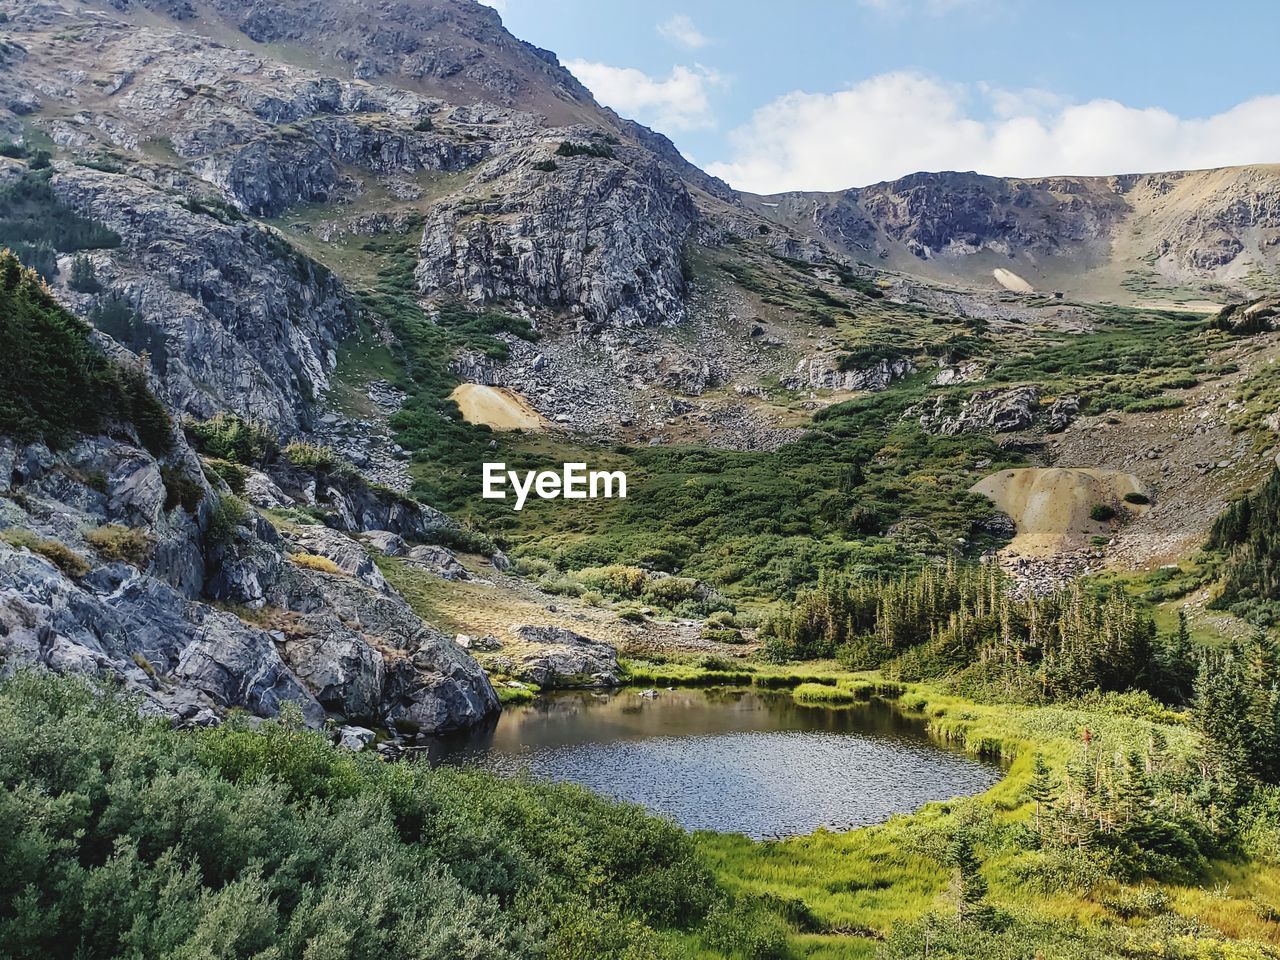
{"points": [[1052, 505], [496, 407]]}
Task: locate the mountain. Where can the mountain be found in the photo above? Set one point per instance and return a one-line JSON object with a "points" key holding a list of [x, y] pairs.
{"points": [[313, 225], [1190, 233]]}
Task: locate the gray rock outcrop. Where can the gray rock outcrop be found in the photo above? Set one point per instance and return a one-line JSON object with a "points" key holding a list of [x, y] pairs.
{"points": [[999, 410], [824, 372], [563, 659], [332, 638]]}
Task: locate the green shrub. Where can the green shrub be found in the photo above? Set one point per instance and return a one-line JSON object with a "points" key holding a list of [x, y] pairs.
{"points": [[532, 566], [464, 540], [739, 931], [311, 456], [669, 591], [721, 636], [129, 839], [228, 437], [225, 519], [546, 166], [1137, 498], [119, 544], [1260, 825], [424, 125], [723, 618], [620, 582], [180, 490], [232, 474], [560, 584], [1102, 512], [569, 149]]}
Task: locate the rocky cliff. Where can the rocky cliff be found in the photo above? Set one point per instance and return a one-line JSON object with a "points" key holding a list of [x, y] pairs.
{"points": [[1207, 231], [202, 606]]}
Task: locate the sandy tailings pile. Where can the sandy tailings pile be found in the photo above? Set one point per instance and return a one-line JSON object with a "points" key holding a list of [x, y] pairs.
{"points": [[1051, 505], [496, 407], [1011, 281]]}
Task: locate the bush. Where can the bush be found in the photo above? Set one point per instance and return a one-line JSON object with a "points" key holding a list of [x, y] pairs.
{"points": [[129, 839], [722, 635], [228, 437], [532, 566], [669, 591], [1102, 512], [180, 490], [59, 554], [311, 561], [568, 149], [1135, 497], [232, 474], [311, 456], [1260, 825], [424, 125], [546, 166], [560, 585], [620, 582], [119, 544], [737, 930], [712, 662], [226, 518]]}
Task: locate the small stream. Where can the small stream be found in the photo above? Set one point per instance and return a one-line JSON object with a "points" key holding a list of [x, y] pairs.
{"points": [[731, 760]]}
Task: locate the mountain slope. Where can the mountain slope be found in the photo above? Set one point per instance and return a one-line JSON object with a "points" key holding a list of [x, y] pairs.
{"points": [[1166, 236]]}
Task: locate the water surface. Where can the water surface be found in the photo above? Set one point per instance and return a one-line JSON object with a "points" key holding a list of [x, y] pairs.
{"points": [[745, 761]]}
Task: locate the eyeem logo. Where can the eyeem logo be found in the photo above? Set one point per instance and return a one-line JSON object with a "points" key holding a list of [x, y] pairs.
{"points": [[573, 482]]}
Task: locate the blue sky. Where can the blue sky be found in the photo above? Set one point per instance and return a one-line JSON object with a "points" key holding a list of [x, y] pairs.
{"points": [[823, 94]]}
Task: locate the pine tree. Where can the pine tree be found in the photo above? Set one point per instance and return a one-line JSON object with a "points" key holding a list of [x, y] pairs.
{"points": [[84, 278], [1043, 790]]}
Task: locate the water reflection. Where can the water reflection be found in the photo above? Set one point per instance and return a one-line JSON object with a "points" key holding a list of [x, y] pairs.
{"points": [[737, 760]]}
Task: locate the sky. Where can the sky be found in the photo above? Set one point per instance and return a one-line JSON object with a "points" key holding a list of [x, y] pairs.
{"points": [[776, 95]]}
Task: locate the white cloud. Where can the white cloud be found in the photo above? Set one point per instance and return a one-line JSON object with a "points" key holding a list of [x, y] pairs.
{"points": [[680, 29], [679, 101], [899, 123]]}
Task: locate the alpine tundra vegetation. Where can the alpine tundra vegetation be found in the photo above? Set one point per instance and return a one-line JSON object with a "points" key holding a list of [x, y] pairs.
{"points": [[291, 292]]}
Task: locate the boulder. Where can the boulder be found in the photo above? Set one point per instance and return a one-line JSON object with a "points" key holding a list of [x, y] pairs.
{"points": [[386, 542], [824, 372], [344, 552], [355, 739], [1062, 413], [438, 561], [561, 659], [1001, 410]]}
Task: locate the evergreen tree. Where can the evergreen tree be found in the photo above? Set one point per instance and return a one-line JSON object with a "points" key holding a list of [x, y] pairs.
{"points": [[1043, 791], [84, 278]]}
